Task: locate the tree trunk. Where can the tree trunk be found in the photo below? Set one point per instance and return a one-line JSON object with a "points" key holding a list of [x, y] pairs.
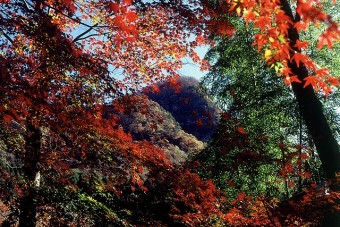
{"points": [[27, 217], [27, 207], [325, 143], [312, 111]]}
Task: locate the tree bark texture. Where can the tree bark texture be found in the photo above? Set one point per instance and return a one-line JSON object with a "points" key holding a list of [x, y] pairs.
{"points": [[311, 109], [312, 112], [27, 206]]}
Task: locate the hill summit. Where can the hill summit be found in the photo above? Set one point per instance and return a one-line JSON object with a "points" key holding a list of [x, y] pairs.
{"points": [[179, 121], [196, 113]]}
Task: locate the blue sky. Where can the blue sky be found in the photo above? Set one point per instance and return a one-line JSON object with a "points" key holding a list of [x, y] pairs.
{"points": [[190, 69]]}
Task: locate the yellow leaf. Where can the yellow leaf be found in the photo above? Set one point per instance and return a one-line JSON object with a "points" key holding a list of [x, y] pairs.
{"points": [[267, 54], [238, 10], [281, 39]]}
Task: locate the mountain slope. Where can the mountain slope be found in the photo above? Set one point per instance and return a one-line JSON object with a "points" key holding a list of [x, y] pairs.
{"points": [[193, 110], [147, 120]]}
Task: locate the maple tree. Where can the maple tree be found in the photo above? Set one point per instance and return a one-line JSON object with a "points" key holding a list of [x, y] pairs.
{"points": [[56, 77], [248, 89], [59, 66], [261, 184], [279, 25]]}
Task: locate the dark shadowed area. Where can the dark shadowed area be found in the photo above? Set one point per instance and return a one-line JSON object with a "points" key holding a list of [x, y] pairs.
{"points": [[193, 110]]}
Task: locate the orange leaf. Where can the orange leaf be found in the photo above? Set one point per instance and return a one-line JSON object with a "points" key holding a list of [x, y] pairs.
{"points": [[301, 45], [140, 169], [334, 81], [130, 39], [262, 22], [310, 80], [322, 72], [331, 35], [241, 130], [298, 57], [300, 26], [291, 79], [127, 2], [131, 16], [114, 7]]}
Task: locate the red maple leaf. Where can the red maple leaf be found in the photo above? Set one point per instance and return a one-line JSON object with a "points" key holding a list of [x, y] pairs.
{"points": [[298, 57], [301, 45], [334, 81], [241, 130]]}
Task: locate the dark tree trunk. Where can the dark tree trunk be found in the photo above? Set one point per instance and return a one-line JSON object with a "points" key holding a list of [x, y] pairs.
{"points": [[325, 143], [312, 111], [27, 206], [27, 217]]}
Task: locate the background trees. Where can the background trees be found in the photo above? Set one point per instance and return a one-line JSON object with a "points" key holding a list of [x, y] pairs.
{"points": [[250, 91], [228, 79]]}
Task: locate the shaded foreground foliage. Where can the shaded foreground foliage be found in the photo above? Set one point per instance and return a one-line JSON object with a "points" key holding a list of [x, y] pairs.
{"points": [[196, 112], [115, 181]]}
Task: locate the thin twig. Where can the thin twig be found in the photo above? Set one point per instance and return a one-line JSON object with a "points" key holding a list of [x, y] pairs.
{"points": [[28, 5], [79, 37], [69, 17], [7, 36]]}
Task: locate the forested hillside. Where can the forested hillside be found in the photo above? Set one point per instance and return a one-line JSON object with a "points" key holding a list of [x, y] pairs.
{"points": [[147, 120], [190, 106]]}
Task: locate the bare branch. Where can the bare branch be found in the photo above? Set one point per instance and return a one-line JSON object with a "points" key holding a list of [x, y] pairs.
{"points": [[7, 36], [27, 5], [79, 37], [69, 17]]}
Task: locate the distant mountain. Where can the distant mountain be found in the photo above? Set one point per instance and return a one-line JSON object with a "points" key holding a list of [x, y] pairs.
{"points": [[179, 122], [146, 120], [193, 110]]}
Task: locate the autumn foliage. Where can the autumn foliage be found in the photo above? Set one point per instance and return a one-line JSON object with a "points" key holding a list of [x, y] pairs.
{"points": [[66, 161], [274, 24]]}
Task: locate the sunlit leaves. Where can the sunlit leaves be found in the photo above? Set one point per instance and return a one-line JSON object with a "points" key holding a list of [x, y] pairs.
{"points": [[298, 57], [273, 24], [334, 81], [331, 35], [301, 44], [290, 79], [114, 7]]}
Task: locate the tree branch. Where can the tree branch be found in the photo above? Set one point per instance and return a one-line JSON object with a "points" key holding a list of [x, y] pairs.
{"points": [[69, 17], [7, 36], [79, 37], [27, 5]]}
